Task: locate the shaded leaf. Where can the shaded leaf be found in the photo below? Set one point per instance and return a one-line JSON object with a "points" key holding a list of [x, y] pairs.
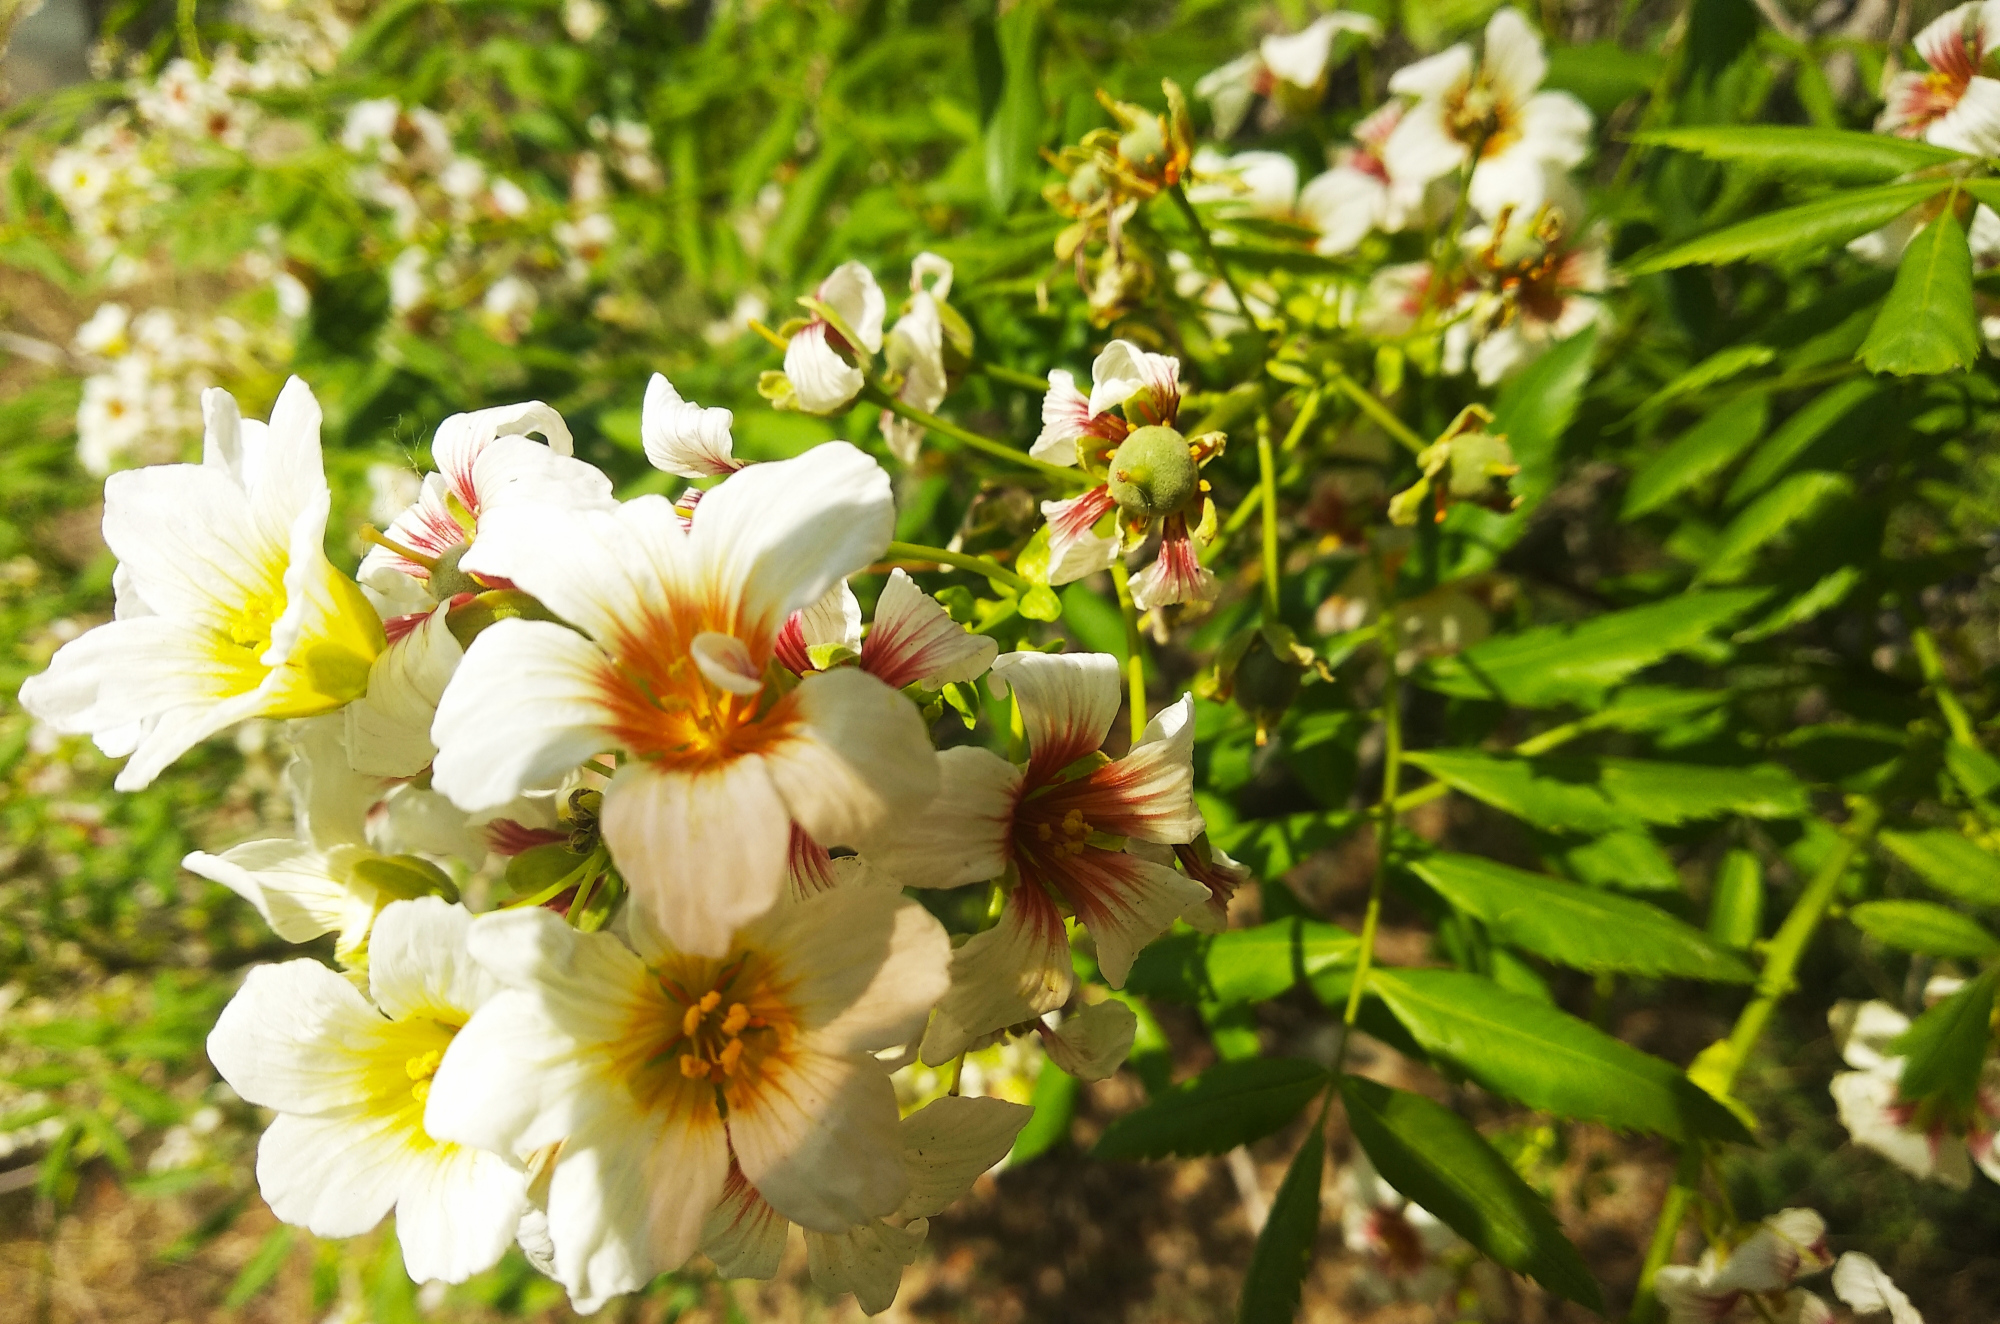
{"points": [[1054, 1102], [1241, 965], [1230, 1104], [1015, 130], [1577, 926], [1698, 454], [1768, 517], [1924, 926], [1598, 795], [1950, 862], [1796, 433], [1284, 1250], [1548, 1059], [1435, 1158]]}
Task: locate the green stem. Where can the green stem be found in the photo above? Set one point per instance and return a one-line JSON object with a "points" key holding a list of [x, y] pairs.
{"points": [[1000, 372], [1385, 825], [1135, 645], [978, 565], [1932, 667], [1267, 475], [1774, 981], [1214, 256], [1380, 412], [874, 394], [190, 33]]}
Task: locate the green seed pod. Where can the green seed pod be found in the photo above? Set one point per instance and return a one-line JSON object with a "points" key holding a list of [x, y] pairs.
{"points": [[1086, 184], [1143, 143], [1153, 472], [448, 581], [1265, 683]]}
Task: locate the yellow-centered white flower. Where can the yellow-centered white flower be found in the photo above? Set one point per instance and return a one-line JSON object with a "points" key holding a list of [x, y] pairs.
{"points": [[349, 1076], [725, 754], [227, 606], [653, 1068]]}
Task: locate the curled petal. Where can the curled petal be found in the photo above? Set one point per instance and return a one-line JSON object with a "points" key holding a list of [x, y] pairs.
{"points": [[683, 438], [822, 380], [915, 641], [1093, 1041], [1076, 548]]}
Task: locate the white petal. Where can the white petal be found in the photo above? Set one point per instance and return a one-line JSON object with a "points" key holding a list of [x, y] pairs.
{"points": [[603, 571], [462, 438], [868, 1261], [949, 1143], [1093, 1042], [961, 836], [1343, 205], [1125, 902], [1066, 413], [852, 293], [1555, 127], [1076, 548], [1149, 794], [300, 892], [1973, 125], [1432, 77], [523, 708], [743, 1235], [776, 537], [1420, 149], [818, 1140], [858, 755], [1068, 702], [704, 851], [296, 1037], [834, 619], [1123, 371], [1514, 59], [726, 663], [865, 965], [914, 640], [1783, 1249], [389, 728], [1300, 58], [418, 964], [1007, 974], [1861, 1283], [626, 1203], [459, 1214], [1864, 1099], [516, 471], [822, 381], [335, 1176], [683, 438]]}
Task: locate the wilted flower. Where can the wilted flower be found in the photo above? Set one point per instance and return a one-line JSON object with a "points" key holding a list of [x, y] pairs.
{"points": [[1467, 463]]}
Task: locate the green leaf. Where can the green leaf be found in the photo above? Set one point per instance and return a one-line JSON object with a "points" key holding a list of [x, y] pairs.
{"points": [[1548, 1059], [1630, 861], [262, 1266], [1269, 847], [1700, 453], [1819, 155], [1949, 862], [1552, 664], [1534, 410], [1925, 927], [1434, 1157], [1016, 129], [1817, 227], [1284, 1250], [1736, 905], [1928, 325], [1040, 603], [1828, 592], [1054, 1102], [1598, 795], [1579, 927], [1945, 1049], [1798, 432], [1230, 1104], [1601, 74], [1765, 519], [1241, 965], [1717, 367]]}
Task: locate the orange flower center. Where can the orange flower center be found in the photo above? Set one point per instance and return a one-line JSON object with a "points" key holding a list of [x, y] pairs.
{"points": [[664, 709], [724, 1025]]}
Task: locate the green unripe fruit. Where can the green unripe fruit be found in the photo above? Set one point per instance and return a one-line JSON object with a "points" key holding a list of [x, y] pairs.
{"points": [[1265, 683], [1143, 143], [447, 580], [1087, 184], [1153, 472]]}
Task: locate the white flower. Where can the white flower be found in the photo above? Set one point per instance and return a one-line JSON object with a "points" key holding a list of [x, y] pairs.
{"points": [[105, 332], [227, 605], [370, 128], [678, 630], [654, 1068], [116, 414], [349, 1081], [409, 279], [1541, 294], [915, 348], [946, 1146], [1870, 1104], [508, 307], [1785, 1247], [1058, 828], [683, 438], [1861, 1283], [486, 461], [1297, 60], [389, 726], [581, 19], [820, 360], [1493, 108], [1262, 184], [1952, 104], [912, 641], [1359, 194]]}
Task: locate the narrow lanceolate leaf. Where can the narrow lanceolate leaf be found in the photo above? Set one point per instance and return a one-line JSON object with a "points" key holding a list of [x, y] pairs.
{"points": [[1577, 663], [1230, 1104], [1285, 1247], [1815, 227], [1241, 965], [1764, 520], [1016, 127], [1945, 1050], [1579, 927], [1599, 795], [1435, 1158], [1924, 927], [1949, 862], [1797, 433], [1548, 1059], [1534, 410], [1928, 325], [1822, 155], [1700, 453]]}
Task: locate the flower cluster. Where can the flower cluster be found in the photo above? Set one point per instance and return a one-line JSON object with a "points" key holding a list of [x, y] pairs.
{"points": [[1927, 1138], [654, 744], [1757, 1279]]}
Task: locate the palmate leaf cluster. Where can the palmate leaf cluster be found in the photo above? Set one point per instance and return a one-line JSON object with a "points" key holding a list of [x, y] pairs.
{"points": [[1736, 635]]}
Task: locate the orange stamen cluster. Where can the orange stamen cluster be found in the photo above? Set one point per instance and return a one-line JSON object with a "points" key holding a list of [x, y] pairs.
{"points": [[712, 1039], [1075, 834]]}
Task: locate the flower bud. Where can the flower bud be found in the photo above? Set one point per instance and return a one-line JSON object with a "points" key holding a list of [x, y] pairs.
{"points": [[1153, 472], [1265, 683]]}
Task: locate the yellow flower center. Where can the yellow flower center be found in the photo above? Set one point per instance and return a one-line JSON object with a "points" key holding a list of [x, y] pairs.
{"points": [[723, 1037], [1481, 118], [1068, 837], [420, 1069]]}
